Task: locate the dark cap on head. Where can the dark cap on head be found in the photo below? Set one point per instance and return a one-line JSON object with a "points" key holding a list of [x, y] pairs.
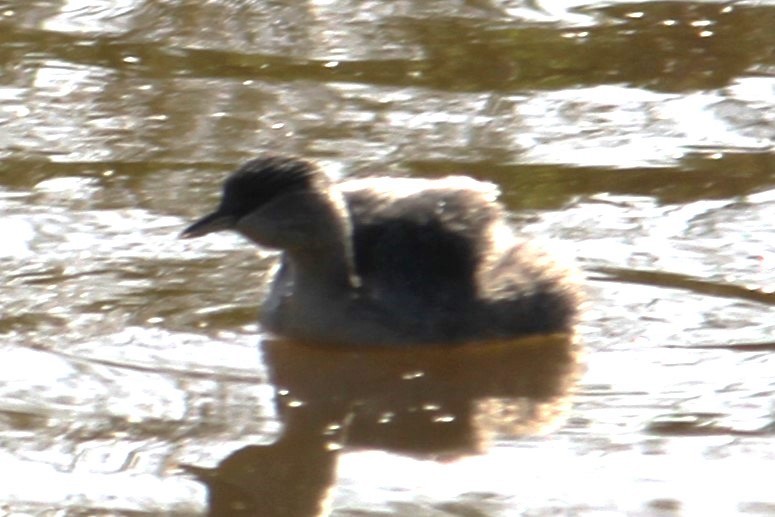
{"points": [[255, 183]]}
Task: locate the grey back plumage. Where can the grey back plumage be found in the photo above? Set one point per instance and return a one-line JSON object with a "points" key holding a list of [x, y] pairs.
{"points": [[419, 250]]}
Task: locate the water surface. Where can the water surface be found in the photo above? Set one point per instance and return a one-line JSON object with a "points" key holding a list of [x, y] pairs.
{"points": [[634, 138]]}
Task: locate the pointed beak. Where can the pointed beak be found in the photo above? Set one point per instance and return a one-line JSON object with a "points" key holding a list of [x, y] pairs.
{"points": [[209, 224]]}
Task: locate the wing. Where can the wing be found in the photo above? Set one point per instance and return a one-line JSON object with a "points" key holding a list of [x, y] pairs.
{"points": [[420, 243]]}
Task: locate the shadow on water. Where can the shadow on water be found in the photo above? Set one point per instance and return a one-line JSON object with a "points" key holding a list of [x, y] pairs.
{"points": [[429, 403]]}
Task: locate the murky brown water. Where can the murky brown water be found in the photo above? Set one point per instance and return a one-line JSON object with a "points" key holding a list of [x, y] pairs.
{"points": [[638, 137]]}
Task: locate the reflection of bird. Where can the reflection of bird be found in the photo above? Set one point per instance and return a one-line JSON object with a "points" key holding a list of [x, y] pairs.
{"points": [[390, 261], [289, 478], [412, 401]]}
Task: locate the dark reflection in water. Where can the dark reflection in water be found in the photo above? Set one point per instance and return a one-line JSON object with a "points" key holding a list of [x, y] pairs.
{"points": [[673, 46], [531, 185], [432, 403]]}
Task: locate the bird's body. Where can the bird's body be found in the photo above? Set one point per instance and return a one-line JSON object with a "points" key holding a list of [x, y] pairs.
{"points": [[388, 261]]}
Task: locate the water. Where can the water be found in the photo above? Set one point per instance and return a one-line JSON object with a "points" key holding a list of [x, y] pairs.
{"points": [[637, 139]]}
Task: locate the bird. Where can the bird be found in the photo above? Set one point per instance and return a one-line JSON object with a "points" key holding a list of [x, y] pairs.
{"points": [[386, 261]]}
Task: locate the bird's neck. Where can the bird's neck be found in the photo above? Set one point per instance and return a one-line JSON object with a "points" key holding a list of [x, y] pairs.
{"points": [[323, 271], [325, 265]]}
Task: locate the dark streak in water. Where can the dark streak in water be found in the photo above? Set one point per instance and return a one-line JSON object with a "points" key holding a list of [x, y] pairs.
{"points": [[701, 424], [224, 377], [679, 281], [735, 347]]}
